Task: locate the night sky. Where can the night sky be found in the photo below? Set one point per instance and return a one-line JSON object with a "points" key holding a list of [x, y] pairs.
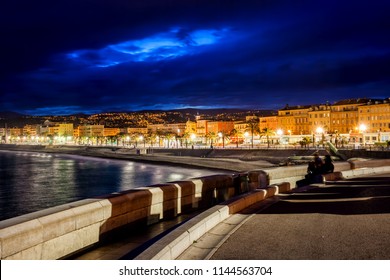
{"points": [[62, 57]]}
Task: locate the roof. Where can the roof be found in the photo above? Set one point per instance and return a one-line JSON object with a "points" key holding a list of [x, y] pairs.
{"points": [[351, 101], [298, 107]]}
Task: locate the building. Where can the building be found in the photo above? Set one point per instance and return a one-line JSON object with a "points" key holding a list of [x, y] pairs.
{"points": [[30, 130], [294, 120], [270, 123], [190, 128], [240, 127], [374, 116], [216, 127], [108, 131], [137, 130], [345, 115], [319, 119], [96, 130], [56, 129], [201, 128], [173, 128]]}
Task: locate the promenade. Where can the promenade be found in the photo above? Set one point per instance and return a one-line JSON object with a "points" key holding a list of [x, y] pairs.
{"points": [[340, 220], [343, 219], [347, 219]]}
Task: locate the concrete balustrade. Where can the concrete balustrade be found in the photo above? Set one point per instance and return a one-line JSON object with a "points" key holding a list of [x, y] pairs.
{"points": [[60, 231], [74, 226], [356, 164]]}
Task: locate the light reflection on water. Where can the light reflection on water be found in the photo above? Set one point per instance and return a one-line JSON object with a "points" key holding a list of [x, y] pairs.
{"points": [[34, 181]]}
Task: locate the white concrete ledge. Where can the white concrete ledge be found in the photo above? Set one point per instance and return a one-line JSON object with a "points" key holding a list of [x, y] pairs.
{"points": [[173, 244]]}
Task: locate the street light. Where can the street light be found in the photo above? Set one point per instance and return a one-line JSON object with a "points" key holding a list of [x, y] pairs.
{"points": [[362, 130], [320, 131], [246, 135], [220, 134], [141, 138], [193, 137], [279, 132]]}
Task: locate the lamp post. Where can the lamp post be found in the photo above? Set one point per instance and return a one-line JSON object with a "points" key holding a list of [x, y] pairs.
{"points": [[363, 129], [193, 137], [142, 138], [246, 134], [320, 131], [279, 132], [178, 139], [221, 135]]}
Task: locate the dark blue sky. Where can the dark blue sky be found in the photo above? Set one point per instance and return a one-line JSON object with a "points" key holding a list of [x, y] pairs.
{"points": [[61, 57]]}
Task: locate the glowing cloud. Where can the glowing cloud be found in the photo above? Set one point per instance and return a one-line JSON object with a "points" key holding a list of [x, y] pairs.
{"points": [[162, 46]]}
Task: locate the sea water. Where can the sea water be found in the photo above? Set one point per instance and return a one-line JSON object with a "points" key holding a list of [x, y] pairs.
{"points": [[32, 181]]}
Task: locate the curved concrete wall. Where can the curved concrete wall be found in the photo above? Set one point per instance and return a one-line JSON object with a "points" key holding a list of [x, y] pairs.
{"points": [[59, 231]]}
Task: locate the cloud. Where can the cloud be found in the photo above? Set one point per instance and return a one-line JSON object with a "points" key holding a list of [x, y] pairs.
{"points": [[162, 46]]}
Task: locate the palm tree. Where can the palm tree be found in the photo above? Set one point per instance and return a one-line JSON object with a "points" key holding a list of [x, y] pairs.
{"points": [[253, 127], [305, 141], [152, 137], [212, 136], [235, 134], [267, 132], [169, 136]]}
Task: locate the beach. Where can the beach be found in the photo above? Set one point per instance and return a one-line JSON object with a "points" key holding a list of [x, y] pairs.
{"points": [[235, 161]]}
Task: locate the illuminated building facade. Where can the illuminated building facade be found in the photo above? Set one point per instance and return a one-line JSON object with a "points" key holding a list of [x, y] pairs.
{"points": [[294, 120], [172, 128], [108, 131], [345, 115], [319, 117], [216, 127], [270, 123], [375, 116]]}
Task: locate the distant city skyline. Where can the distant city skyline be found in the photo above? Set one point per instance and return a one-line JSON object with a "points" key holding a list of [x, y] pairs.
{"points": [[69, 57]]}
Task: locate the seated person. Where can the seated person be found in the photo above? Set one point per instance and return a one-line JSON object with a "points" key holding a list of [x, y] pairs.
{"points": [[328, 166]]}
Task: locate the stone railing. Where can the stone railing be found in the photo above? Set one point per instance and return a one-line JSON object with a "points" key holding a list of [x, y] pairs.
{"points": [[60, 231]]}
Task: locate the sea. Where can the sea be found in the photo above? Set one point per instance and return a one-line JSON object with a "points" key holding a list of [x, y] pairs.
{"points": [[31, 181]]}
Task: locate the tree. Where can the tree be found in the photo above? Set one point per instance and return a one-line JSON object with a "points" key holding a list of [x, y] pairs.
{"points": [[212, 136], [267, 132], [234, 133], [253, 127], [305, 141]]}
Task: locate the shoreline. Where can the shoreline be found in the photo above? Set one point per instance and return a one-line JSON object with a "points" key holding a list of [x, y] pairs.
{"points": [[217, 164]]}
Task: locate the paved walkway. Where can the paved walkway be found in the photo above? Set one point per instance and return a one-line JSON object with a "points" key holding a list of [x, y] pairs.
{"points": [[127, 245], [344, 220]]}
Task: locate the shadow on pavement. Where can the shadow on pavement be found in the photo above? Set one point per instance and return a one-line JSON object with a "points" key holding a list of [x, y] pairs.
{"points": [[338, 199]]}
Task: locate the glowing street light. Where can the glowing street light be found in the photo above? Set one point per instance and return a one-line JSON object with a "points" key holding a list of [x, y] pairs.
{"points": [[320, 130], [279, 132], [246, 135], [362, 128], [221, 135], [193, 137], [142, 138]]}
